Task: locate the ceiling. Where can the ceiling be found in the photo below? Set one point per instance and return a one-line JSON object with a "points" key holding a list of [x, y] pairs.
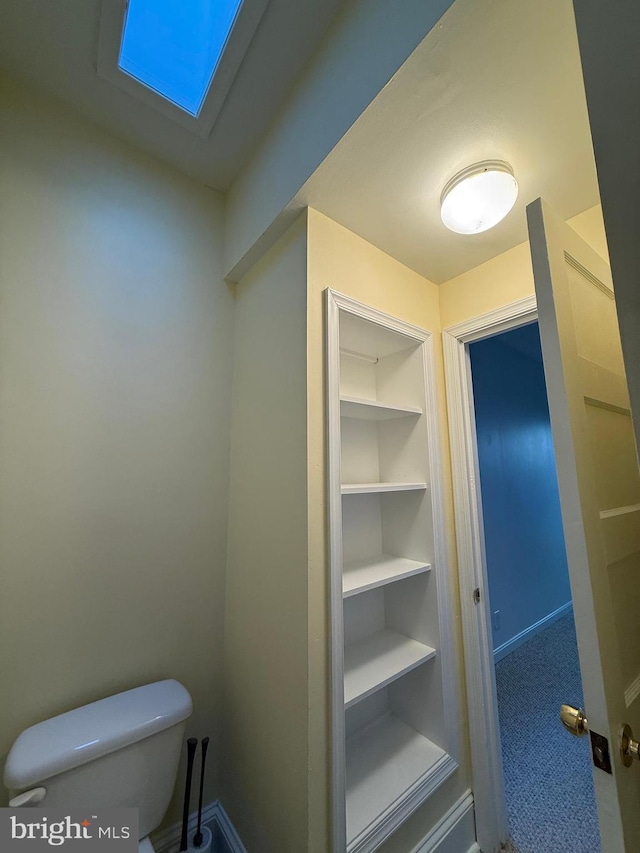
{"points": [[53, 45], [493, 80]]}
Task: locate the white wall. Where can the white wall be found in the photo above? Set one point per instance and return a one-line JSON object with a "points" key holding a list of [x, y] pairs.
{"points": [[115, 379], [265, 731]]}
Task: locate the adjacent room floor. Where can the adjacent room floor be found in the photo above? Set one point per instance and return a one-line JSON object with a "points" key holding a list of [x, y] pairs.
{"points": [[548, 781]]}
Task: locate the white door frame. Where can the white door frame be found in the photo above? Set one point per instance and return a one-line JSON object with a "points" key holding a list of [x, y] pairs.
{"points": [[486, 758]]}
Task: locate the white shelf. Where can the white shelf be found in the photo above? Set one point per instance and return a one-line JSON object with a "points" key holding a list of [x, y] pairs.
{"points": [[385, 761], [371, 410], [372, 488], [372, 572], [376, 661]]}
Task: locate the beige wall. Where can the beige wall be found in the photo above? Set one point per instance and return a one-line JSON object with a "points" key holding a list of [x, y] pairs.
{"points": [[345, 262], [507, 277], [115, 378], [265, 729]]}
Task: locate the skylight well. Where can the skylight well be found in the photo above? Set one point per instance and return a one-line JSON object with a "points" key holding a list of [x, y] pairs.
{"points": [[174, 46]]}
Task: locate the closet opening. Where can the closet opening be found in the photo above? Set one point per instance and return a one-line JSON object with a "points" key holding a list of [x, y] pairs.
{"points": [[531, 618]]}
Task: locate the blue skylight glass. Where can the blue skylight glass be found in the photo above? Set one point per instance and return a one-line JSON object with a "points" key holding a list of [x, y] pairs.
{"points": [[174, 46]]}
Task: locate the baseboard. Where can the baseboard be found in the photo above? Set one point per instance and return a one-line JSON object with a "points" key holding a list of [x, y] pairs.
{"points": [[455, 832], [226, 839], [512, 644], [227, 830]]}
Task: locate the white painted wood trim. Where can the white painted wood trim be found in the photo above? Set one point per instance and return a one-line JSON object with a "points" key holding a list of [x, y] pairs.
{"points": [[445, 837], [168, 841], [506, 317], [511, 645], [334, 503], [213, 815], [486, 759], [358, 309], [227, 829], [441, 567]]}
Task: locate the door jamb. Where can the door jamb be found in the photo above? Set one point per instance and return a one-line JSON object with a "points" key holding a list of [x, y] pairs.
{"points": [[486, 759]]}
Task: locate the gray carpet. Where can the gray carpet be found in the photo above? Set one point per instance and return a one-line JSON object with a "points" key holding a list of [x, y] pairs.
{"points": [[549, 787]]}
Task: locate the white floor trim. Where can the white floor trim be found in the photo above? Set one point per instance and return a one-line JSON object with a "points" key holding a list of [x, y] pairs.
{"points": [[512, 644], [228, 830], [454, 832], [215, 817]]}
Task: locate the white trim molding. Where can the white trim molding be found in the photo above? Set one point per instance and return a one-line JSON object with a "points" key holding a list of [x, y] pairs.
{"points": [[506, 317], [227, 829], [454, 832], [511, 645], [334, 502], [215, 817], [486, 759]]}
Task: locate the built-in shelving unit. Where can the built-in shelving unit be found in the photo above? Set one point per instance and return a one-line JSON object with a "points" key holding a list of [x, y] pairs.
{"points": [[393, 680]]}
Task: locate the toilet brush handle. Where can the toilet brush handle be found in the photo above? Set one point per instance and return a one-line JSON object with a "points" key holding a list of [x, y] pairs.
{"points": [[192, 743], [197, 839]]}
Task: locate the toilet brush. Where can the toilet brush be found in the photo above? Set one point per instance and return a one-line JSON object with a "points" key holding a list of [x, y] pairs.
{"points": [[197, 838], [192, 742]]}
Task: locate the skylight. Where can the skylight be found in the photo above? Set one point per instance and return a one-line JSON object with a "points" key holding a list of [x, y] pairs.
{"points": [[174, 47]]}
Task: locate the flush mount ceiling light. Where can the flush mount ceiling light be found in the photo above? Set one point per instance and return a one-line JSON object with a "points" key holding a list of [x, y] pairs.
{"points": [[478, 197]]}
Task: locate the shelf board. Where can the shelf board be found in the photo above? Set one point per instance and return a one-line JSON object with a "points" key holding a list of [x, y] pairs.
{"points": [[371, 410], [372, 488], [372, 572], [376, 661], [388, 762]]}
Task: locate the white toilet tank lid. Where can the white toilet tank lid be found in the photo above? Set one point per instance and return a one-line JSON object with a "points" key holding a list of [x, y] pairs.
{"points": [[84, 734]]}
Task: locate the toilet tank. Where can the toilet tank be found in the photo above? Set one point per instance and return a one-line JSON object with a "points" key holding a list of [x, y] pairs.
{"points": [[119, 752]]}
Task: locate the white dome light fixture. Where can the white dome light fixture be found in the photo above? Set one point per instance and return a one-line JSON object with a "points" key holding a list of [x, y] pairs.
{"points": [[478, 197]]}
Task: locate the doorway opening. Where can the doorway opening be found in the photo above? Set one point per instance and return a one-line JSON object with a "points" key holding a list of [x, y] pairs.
{"points": [[531, 620]]}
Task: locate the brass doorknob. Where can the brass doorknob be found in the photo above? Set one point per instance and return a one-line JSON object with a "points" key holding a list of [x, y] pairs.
{"points": [[629, 748], [574, 720]]}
